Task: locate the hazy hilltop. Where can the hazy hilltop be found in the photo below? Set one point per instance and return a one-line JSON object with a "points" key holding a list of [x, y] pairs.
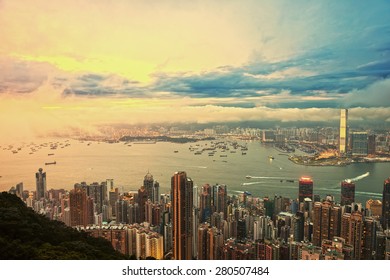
{"points": [[25, 234]]}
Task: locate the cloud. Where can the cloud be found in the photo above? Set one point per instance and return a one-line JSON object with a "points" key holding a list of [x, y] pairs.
{"points": [[374, 95], [21, 76]]}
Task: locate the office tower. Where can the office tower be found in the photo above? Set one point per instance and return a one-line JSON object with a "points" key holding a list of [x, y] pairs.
{"points": [[156, 192], [359, 142], [148, 184], [182, 204], [142, 198], [386, 204], [78, 207], [347, 192], [305, 189], [40, 178], [371, 144], [343, 145]]}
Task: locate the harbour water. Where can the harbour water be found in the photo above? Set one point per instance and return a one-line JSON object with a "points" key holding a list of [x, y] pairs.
{"points": [[127, 164]]}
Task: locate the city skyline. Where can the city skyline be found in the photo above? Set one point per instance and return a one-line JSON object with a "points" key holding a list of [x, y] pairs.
{"points": [[209, 61], [221, 226]]}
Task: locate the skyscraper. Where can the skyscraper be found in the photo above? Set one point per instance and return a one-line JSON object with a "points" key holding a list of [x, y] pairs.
{"points": [[182, 204], [205, 204], [386, 204], [148, 184], [78, 207], [343, 131], [347, 192], [142, 198], [305, 189], [359, 142], [40, 178]]}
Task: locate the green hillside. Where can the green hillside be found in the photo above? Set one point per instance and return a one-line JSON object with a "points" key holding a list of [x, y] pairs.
{"points": [[25, 234]]}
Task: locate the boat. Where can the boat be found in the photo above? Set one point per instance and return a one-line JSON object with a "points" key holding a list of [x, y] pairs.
{"points": [[198, 153], [145, 142], [223, 155], [49, 163], [50, 154], [248, 177], [271, 157], [290, 181], [243, 153], [175, 151]]}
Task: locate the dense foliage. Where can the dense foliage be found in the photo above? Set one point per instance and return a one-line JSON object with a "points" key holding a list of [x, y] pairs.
{"points": [[25, 234]]}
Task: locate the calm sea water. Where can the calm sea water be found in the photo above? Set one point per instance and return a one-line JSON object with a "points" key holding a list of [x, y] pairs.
{"points": [[127, 165]]}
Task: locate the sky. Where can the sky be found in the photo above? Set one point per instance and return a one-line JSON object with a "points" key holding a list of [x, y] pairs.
{"points": [[67, 65]]}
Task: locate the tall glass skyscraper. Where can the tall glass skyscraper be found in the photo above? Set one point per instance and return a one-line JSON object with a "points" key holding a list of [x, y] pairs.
{"points": [[40, 178], [343, 148]]}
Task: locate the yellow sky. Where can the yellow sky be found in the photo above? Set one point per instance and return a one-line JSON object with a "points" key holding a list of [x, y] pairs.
{"points": [[130, 38]]}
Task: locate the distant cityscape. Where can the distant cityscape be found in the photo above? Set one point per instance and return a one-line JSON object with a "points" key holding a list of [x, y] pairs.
{"points": [[209, 223]]}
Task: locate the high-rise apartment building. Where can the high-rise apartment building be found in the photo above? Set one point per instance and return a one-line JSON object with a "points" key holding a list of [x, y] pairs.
{"points": [[343, 142], [205, 204], [182, 204], [40, 178], [78, 207]]}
